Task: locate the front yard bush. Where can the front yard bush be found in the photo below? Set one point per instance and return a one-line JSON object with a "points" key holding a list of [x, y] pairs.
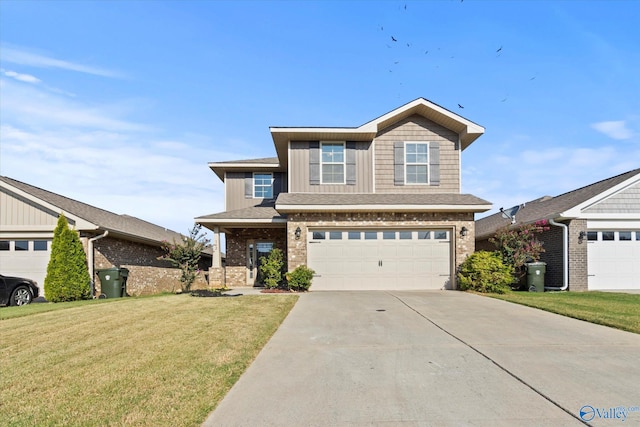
{"points": [[67, 272], [271, 268], [300, 278], [485, 272]]}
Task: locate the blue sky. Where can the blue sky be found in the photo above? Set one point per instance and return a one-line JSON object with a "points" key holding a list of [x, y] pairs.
{"points": [[121, 104]]}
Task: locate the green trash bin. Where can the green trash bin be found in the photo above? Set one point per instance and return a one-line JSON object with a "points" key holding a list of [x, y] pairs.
{"points": [[113, 282], [535, 276]]}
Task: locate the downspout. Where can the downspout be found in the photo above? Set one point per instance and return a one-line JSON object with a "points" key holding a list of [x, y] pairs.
{"points": [[91, 261], [565, 258]]}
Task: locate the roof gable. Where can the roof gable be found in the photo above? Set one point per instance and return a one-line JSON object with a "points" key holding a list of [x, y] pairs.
{"points": [[572, 204], [89, 218], [468, 130]]}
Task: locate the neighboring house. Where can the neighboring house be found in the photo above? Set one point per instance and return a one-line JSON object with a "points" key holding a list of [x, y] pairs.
{"points": [[602, 247], [28, 216], [371, 207]]}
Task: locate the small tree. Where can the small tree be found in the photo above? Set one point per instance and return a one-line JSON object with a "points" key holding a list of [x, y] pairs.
{"points": [[520, 245], [67, 272], [271, 268], [484, 271], [186, 255]]}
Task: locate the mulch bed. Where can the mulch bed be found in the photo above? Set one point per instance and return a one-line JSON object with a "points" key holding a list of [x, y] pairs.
{"points": [[210, 293]]}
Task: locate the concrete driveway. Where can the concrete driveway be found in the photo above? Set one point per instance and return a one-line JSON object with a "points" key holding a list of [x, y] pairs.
{"points": [[441, 358]]}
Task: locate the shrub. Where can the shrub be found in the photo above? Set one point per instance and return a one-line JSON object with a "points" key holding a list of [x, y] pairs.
{"points": [[186, 255], [271, 268], [520, 245], [67, 272], [485, 272], [300, 278]]}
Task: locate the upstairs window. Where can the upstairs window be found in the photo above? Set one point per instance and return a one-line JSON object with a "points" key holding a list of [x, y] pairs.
{"points": [[417, 162], [332, 159], [263, 186]]}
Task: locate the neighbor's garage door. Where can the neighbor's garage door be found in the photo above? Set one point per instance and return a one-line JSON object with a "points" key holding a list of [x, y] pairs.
{"points": [[25, 258], [379, 260], [614, 259]]}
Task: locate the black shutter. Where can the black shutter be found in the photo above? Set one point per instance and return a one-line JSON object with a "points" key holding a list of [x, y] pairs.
{"points": [[434, 163], [314, 163], [351, 163], [277, 184], [398, 163]]}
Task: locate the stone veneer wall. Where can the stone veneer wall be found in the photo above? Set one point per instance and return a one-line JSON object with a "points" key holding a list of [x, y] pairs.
{"points": [[236, 250], [147, 274], [464, 246]]}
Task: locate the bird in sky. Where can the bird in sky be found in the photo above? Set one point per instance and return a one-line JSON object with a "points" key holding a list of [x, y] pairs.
{"points": [[460, 106], [499, 49], [393, 39]]}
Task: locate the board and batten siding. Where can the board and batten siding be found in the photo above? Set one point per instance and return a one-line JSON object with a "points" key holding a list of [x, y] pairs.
{"points": [[15, 211], [417, 128], [299, 170], [626, 201], [235, 190]]}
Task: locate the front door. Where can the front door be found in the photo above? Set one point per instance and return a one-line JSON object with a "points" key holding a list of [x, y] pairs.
{"points": [[256, 250]]}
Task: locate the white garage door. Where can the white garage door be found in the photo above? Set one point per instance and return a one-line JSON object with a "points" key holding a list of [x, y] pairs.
{"points": [[614, 259], [25, 258], [379, 260]]}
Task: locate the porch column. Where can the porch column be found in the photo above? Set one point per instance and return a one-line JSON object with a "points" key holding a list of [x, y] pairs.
{"points": [[216, 261]]}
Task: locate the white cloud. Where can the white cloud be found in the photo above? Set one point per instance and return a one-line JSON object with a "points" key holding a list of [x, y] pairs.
{"points": [[27, 78], [614, 129], [21, 56]]}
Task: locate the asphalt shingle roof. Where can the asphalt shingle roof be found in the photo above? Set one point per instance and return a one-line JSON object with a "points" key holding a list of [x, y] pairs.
{"points": [[119, 224], [549, 207], [332, 199], [251, 213]]}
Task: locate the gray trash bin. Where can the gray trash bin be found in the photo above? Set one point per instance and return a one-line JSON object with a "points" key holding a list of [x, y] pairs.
{"points": [[113, 282], [535, 276]]}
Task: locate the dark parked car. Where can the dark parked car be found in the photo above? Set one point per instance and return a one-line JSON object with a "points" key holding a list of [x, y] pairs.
{"points": [[17, 290]]}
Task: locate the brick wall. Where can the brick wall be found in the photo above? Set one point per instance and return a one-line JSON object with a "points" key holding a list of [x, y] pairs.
{"points": [[578, 277], [147, 274]]}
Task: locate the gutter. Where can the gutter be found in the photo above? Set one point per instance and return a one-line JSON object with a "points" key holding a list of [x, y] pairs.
{"points": [[91, 260], [565, 258]]}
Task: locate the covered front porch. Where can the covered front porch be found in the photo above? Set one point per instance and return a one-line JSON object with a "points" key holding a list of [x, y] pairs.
{"points": [[247, 235]]}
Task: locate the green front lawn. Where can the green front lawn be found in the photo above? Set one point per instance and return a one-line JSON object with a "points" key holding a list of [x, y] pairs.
{"points": [[618, 310], [161, 361]]}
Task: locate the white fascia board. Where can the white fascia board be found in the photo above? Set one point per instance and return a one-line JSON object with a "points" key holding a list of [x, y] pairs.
{"points": [[80, 223], [242, 221], [383, 208], [576, 211], [243, 165]]}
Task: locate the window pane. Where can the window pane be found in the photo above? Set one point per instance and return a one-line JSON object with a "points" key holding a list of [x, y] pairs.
{"points": [[22, 245], [332, 153], [40, 245], [4, 245], [355, 235], [263, 185], [424, 235], [592, 235], [405, 235], [333, 174], [318, 235], [370, 235], [417, 174], [389, 235], [624, 235], [607, 235], [637, 235], [335, 235], [440, 235]]}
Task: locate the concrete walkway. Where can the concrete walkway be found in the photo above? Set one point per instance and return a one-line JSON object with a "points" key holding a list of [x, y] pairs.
{"points": [[441, 358]]}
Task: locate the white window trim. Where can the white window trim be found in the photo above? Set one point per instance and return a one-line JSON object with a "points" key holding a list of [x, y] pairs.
{"points": [[262, 186], [343, 163], [406, 182]]}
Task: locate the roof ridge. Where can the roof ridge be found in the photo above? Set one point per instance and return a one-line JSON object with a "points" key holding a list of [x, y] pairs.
{"points": [[631, 173]]}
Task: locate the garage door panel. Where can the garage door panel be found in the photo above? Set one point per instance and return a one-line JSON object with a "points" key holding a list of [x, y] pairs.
{"points": [[613, 264], [382, 264]]}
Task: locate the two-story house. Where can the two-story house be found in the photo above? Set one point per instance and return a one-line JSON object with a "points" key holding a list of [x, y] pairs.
{"points": [[371, 207]]}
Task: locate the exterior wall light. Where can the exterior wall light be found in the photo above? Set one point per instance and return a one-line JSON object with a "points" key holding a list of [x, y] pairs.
{"points": [[464, 231], [581, 236], [298, 232]]}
